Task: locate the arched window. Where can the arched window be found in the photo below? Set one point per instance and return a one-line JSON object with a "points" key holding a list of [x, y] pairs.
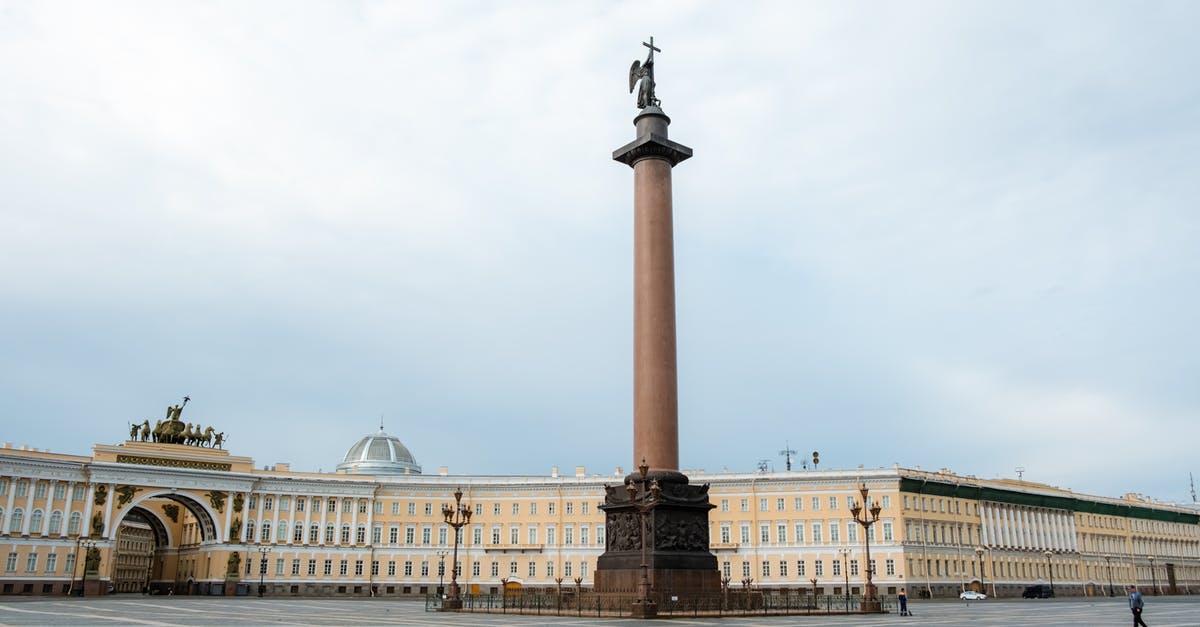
{"points": [[265, 534], [73, 523], [298, 534], [281, 533], [346, 533], [249, 532], [35, 521], [329, 533], [18, 518], [56, 523], [314, 534], [360, 536]]}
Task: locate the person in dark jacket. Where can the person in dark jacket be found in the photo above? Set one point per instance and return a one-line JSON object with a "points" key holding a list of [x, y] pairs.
{"points": [[1135, 606]]}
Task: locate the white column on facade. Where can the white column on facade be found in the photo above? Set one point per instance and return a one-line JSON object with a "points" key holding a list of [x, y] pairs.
{"points": [[984, 528], [68, 507], [1019, 527], [28, 506], [277, 498], [1039, 518], [1008, 525], [371, 521], [223, 533], [1073, 537], [89, 499], [997, 525], [108, 508], [337, 522], [1056, 526], [260, 502], [1027, 527], [308, 507], [12, 491], [324, 509], [354, 521]]}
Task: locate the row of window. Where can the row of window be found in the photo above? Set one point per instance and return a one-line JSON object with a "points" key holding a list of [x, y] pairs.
{"points": [[31, 563], [331, 534], [285, 503], [344, 567], [801, 568], [16, 521], [814, 503], [39, 490], [817, 535]]}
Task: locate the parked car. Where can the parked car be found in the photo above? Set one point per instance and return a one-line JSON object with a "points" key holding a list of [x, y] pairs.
{"points": [[971, 595], [1039, 591]]}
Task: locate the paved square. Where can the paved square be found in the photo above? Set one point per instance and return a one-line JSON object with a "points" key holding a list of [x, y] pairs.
{"points": [[138, 610]]}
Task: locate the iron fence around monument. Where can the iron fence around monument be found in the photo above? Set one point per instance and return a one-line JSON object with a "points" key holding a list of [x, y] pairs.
{"points": [[598, 604]]}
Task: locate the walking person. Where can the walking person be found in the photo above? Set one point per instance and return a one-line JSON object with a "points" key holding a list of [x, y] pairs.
{"points": [[1135, 606], [903, 602]]}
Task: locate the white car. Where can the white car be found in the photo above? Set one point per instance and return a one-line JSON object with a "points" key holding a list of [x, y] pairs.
{"points": [[971, 595]]}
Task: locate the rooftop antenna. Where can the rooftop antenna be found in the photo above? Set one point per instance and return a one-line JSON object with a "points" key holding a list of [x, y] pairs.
{"points": [[381, 423], [787, 453], [1020, 473], [763, 464], [1192, 480]]}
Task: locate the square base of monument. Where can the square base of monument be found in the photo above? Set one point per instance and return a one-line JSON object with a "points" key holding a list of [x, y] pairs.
{"points": [[665, 582], [872, 607], [648, 609], [451, 604]]}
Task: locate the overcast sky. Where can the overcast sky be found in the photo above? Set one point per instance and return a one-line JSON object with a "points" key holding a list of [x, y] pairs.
{"points": [[938, 234]]}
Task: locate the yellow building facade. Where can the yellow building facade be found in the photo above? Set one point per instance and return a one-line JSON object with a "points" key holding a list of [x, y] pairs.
{"points": [[187, 519]]}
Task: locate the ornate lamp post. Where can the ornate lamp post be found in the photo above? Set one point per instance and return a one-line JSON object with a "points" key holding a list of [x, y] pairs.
{"points": [[89, 545], [870, 602], [262, 569], [442, 573], [982, 572], [456, 517], [1050, 570], [1153, 580], [644, 606], [1108, 560], [845, 553]]}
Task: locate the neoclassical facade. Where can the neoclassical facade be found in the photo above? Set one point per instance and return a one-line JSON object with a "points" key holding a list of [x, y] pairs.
{"points": [[196, 519]]}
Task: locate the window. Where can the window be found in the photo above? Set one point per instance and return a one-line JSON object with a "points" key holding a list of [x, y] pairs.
{"points": [[800, 568], [516, 509], [567, 569], [837, 568], [17, 520], [816, 534], [819, 568], [816, 504], [35, 520], [279, 566], [393, 534], [779, 507], [745, 533], [550, 508], [583, 507], [31, 563], [51, 562], [298, 535], [40, 491], [835, 532], [583, 569], [478, 509], [74, 523], [766, 568], [550, 570], [312, 567], [533, 509], [475, 568], [477, 535], [408, 568], [781, 533], [745, 569], [762, 505], [495, 509], [495, 535], [783, 568], [550, 539], [281, 535], [852, 533], [724, 533], [495, 569], [266, 532], [346, 505], [314, 534], [853, 568], [345, 533], [798, 503], [343, 566], [568, 536], [412, 509], [887, 531], [374, 568], [799, 533], [408, 535], [12, 563], [77, 493], [392, 564], [745, 506], [362, 506], [833, 503], [332, 509], [22, 487], [887, 501], [268, 503], [725, 569], [358, 568], [285, 503], [533, 534], [532, 569], [514, 535], [891, 566], [570, 508], [764, 534], [512, 567], [377, 535], [425, 533], [724, 505], [395, 508], [299, 503]]}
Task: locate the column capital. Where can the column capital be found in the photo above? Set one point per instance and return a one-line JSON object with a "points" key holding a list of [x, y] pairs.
{"points": [[652, 146]]}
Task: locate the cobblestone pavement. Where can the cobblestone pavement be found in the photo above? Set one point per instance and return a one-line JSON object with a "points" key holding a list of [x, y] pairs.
{"points": [[139, 610]]}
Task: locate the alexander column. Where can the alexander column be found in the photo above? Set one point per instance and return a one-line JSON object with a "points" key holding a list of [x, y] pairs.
{"points": [[671, 557]]}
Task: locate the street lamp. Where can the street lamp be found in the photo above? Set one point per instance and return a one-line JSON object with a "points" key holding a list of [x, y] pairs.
{"points": [[441, 572], [456, 517], [90, 545], [1153, 581], [643, 606], [845, 552], [870, 602], [262, 569], [1108, 560], [979, 552], [1050, 568]]}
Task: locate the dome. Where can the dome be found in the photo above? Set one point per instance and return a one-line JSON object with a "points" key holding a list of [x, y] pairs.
{"points": [[379, 454]]}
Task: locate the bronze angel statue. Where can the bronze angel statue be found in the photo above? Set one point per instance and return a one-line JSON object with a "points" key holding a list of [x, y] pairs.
{"points": [[645, 73]]}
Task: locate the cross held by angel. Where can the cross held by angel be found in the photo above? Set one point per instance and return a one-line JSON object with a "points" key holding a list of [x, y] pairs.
{"points": [[644, 72]]}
